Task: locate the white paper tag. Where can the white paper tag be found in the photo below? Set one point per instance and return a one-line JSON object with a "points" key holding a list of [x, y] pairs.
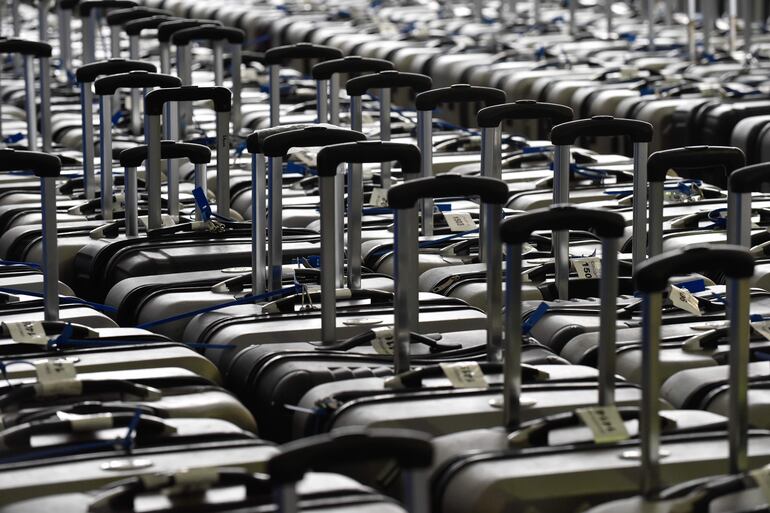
{"points": [[65, 388], [459, 221], [762, 327], [53, 371], [605, 423], [87, 423], [165, 221], [27, 332], [588, 268], [683, 298], [383, 340], [379, 197], [762, 477], [465, 374]]}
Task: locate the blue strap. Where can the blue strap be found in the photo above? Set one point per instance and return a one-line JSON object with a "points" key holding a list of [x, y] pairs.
{"points": [[534, 318], [719, 218], [377, 211], [14, 262], [202, 203], [4, 369], [537, 149], [293, 289], [297, 168], [118, 117], [18, 136], [693, 286], [240, 148]]}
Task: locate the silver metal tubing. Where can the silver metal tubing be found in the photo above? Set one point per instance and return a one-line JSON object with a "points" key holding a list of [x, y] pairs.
{"points": [[561, 238], [608, 15], [223, 164], [89, 38], [171, 125], [45, 104], [425, 143], [165, 58], [655, 229], [407, 302], [339, 219], [219, 63], [639, 244], [488, 159], [133, 47], [416, 486], [184, 71], [572, 16], [494, 260], [132, 202], [651, 24], [512, 348], [275, 95], [153, 172], [608, 293], [115, 41], [748, 29], [334, 99], [50, 250], [235, 77], [105, 154], [87, 110], [286, 499], [738, 314], [30, 102], [136, 113], [275, 223], [322, 100], [42, 20], [355, 223], [732, 17], [478, 10], [691, 33], [739, 219], [384, 134], [258, 225], [328, 262], [649, 423], [707, 11], [536, 11]]}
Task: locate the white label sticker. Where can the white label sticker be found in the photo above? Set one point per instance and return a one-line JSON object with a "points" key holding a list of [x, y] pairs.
{"points": [[605, 423], [165, 221], [459, 221], [27, 332], [762, 327], [52, 371], [762, 477], [87, 423], [683, 298], [379, 197], [588, 268], [465, 374], [383, 340]]}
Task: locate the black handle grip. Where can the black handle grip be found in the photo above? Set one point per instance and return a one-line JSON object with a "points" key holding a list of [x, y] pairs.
{"points": [[693, 157], [154, 100], [749, 178], [256, 139], [407, 155], [43, 165], [120, 496], [89, 72], [733, 261], [458, 93], [411, 449], [601, 126], [135, 27], [352, 64], [390, 79], [278, 145], [196, 153], [280, 54], [68, 4], [490, 190], [165, 30], [490, 117], [134, 80], [85, 8], [25, 47], [121, 16], [234, 36], [605, 223]]}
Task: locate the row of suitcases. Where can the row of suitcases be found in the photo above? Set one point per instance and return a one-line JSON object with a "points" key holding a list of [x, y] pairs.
{"points": [[351, 309]]}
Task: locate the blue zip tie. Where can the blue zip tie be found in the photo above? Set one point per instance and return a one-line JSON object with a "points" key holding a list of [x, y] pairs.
{"points": [[534, 318], [443, 207], [118, 117], [63, 300], [202, 203], [246, 299], [14, 138], [715, 216], [693, 286], [240, 148]]}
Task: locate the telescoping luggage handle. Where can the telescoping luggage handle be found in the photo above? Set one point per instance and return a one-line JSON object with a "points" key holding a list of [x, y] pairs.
{"points": [[132, 158], [425, 103], [565, 135], [167, 29], [47, 167], [116, 19], [217, 36], [740, 185], [514, 232], [276, 146], [691, 158], [651, 278], [275, 57], [489, 120], [412, 451], [134, 29], [87, 11], [329, 160], [104, 88], [403, 198], [120, 496], [153, 108], [384, 82], [29, 51]]}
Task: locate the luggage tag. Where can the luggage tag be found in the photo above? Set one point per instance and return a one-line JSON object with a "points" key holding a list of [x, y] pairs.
{"points": [[762, 478], [379, 197], [459, 221], [465, 374], [684, 300], [605, 423], [27, 332], [588, 267], [57, 378], [383, 340]]}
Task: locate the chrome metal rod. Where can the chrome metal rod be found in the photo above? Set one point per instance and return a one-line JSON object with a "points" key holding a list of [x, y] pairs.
{"points": [[512, 341], [153, 172], [105, 155], [655, 229], [407, 302], [608, 293], [739, 219], [385, 106], [89, 159], [275, 222], [50, 250], [275, 95], [223, 163], [639, 244], [171, 126], [425, 142], [30, 101], [45, 104], [132, 202], [494, 261], [649, 423], [328, 262], [739, 330], [258, 225], [561, 238], [237, 83], [219, 62]]}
